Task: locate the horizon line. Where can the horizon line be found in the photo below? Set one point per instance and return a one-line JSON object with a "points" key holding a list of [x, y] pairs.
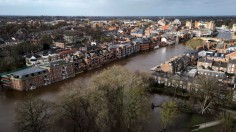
{"points": [[124, 15]]}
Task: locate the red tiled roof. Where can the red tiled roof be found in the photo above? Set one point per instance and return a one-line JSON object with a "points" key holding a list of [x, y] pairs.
{"points": [[66, 52], [164, 27]]}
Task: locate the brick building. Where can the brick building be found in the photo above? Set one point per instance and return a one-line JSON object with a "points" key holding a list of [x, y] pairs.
{"points": [[59, 70], [28, 79]]}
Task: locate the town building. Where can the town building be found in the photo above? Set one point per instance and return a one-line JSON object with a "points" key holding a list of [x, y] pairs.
{"points": [[189, 24], [27, 79], [59, 70]]}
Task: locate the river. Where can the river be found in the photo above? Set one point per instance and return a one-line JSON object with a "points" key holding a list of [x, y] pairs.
{"points": [[139, 62]]}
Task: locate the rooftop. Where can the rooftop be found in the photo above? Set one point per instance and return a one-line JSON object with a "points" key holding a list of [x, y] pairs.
{"points": [[28, 71]]}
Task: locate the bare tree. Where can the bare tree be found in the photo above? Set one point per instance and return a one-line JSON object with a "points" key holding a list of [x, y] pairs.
{"points": [[33, 115], [207, 93], [74, 109], [120, 99]]}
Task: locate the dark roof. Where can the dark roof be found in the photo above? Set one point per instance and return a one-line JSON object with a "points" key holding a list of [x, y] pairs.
{"points": [[142, 40], [205, 60], [92, 48], [219, 64], [27, 71], [55, 63], [222, 55], [220, 46], [190, 52], [232, 61], [2, 41], [32, 54], [78, 45]]}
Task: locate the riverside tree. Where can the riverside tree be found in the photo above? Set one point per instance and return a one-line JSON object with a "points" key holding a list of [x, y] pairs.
{"points": [[33, 115], [115, 98], [120, 100], [194, 43], [74, 112], [169, 112], [207, 94]]}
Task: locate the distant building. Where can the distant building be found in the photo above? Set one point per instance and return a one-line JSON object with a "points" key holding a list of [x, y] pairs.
{"points": [[234, 28], [189, 24], [162, 22], [137, 33], [176, 22], [208, 25]]}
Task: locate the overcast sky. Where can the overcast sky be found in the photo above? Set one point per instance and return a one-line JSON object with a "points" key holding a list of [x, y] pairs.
{"points": [[118, 7]]}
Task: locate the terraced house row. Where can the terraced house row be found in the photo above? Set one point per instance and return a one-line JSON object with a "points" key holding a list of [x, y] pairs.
{"points": [[51, 66]]}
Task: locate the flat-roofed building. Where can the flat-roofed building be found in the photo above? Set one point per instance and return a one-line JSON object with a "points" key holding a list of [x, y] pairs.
{"points": [[29, 78]]}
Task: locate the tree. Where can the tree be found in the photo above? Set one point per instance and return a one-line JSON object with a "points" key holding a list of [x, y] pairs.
{"points": [[207, 93], [194, 43], [226, 121], [74, 109], [46, 40], [169, 113], [33, 115], [120, 99]]}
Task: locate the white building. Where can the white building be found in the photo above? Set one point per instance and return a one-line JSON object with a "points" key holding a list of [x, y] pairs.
{"points": [[176, 22], [162, 22], [234, 28], [189, 24]]}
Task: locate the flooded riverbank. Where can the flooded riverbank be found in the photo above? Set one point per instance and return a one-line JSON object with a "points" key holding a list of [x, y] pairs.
{"points": [[139, 62]]}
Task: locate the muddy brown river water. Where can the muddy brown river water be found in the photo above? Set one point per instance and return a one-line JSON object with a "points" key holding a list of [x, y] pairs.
{"points": [[139, 62]]}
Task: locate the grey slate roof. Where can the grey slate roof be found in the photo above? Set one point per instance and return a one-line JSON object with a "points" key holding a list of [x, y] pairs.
{"points": [[28, 71], [232, 61]]}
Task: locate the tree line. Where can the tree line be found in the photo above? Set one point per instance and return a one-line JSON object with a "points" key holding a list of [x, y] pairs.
{"points": [[116, 100]]}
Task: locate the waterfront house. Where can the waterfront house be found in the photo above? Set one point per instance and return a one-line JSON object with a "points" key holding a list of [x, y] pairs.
{"points": [[79, 63], [29, 78], [118, 49], [143, 42], [129, 49], [176, 64], [94, 59], [59, 70], [136, 47], [108, 55]]}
